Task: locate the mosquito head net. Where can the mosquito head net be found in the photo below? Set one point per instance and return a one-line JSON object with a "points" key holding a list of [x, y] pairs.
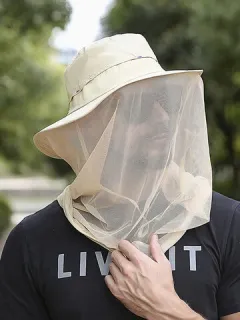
{"points": [[142, 163]]}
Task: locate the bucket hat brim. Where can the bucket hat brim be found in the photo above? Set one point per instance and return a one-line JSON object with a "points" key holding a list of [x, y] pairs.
{"points": [[41, 138]]}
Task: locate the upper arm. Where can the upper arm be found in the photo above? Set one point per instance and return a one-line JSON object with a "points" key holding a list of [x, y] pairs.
{"points": [[228, 296], [19, 298]]}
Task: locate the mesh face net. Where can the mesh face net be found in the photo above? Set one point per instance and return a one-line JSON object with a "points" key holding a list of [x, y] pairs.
{"points": [[142, 163]]}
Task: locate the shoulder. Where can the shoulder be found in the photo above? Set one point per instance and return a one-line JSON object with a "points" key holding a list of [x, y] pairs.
{"points": [[223, 209], [229, 285], [224, 219], [223, 204], [44, 217], [33, 227], [46, 224]]}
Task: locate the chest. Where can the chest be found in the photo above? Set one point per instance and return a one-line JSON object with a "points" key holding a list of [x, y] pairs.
{"points": [[72, 281]]}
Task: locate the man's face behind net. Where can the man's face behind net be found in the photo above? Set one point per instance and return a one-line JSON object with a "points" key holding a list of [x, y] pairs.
{"points": [[145, 125], [142, 160]]}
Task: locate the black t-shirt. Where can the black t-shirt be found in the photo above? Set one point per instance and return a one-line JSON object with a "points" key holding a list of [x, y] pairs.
{"points": [[49, 271]]}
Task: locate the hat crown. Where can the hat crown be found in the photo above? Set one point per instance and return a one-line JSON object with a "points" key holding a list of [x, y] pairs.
{"points": [[101, 69], [103, 54]]}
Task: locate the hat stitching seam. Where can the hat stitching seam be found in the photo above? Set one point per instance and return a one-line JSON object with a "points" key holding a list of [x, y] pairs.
{"points": [[90, 80]]}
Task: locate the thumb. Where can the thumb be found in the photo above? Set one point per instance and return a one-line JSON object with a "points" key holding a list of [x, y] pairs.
{"points": [[155, 248]]}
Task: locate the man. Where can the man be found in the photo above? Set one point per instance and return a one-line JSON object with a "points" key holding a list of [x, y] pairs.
{"points": [[136, 138]]}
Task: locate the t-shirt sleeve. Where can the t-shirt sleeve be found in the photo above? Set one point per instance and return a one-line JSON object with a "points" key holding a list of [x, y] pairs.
{"points": [[229, 289], [19, 298]]}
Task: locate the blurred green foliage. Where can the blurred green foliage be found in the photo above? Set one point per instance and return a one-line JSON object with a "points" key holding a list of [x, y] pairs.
{"points": [[197, 35], [184, 35], [5, 215], [32, 93]]}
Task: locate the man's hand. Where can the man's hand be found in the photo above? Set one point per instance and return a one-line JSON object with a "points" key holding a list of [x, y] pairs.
{"points": [[144, 285]]}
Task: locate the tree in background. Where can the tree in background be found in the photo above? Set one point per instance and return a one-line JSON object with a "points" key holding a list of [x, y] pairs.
{"points": [[196, 35], [5, 215], [32, 94]]}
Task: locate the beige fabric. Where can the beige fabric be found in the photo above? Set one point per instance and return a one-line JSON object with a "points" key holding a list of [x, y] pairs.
{"points": [[142, 163], [99, 70]]}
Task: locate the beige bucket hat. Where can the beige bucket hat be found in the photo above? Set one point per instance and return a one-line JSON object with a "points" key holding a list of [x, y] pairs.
{"points": [[99, 70]]}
